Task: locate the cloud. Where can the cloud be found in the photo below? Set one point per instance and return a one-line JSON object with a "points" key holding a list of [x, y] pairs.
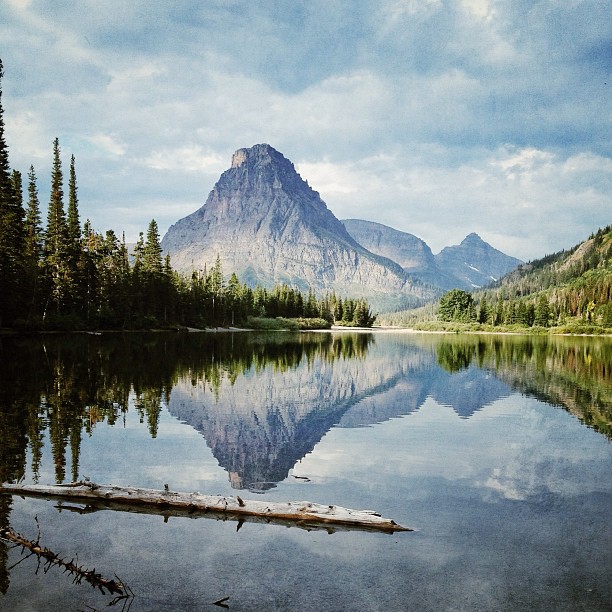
{"points": [[436, 118], [107, 143]]}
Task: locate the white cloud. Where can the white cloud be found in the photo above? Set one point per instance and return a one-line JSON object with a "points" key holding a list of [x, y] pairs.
{"points": [[438, 120], [108, 143], [189, 158]]}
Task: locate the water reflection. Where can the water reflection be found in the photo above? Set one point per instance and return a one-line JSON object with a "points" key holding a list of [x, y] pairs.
{"points": [[262, 402]]}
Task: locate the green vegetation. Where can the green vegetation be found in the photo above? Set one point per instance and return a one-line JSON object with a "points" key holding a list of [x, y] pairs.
{"points": [[569, 372], [57, 390], [282, 323], [67, 277], [569, 293]]}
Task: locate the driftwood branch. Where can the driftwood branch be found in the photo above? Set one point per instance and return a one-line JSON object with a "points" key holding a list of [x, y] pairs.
{"points": [[113, 586], [304, 514]]}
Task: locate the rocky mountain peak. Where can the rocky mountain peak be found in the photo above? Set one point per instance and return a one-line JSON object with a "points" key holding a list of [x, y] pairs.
{"points": [[473, 239], [259, 153], [475, 262]]}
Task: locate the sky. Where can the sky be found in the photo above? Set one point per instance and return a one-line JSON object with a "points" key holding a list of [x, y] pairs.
{"points": [[436, 117]]}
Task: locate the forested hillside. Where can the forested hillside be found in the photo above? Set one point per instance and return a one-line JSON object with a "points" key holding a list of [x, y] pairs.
{"points": [[573, 285], [65, 275], [569, 290]]}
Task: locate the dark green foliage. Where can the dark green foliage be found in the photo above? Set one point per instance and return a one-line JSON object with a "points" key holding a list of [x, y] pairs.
{"points": [[11, 233], [354, 313], [456, 305], [542, 312], [73, 223]]}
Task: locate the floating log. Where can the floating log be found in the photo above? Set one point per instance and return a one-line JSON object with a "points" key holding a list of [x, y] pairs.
{"points": [[304, 514]]}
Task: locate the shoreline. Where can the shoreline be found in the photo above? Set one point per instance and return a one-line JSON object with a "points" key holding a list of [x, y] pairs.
{"points": [[390, 329]]}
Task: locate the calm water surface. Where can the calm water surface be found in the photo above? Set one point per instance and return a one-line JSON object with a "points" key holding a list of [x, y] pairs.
{"points": [[496, 450]]}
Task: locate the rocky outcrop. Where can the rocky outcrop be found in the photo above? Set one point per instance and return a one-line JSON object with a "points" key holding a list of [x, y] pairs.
{"points": [[267, 225]]}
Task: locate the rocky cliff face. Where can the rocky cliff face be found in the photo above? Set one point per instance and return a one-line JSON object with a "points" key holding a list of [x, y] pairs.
{"points": [[269, 226], [410, 252], [473, 263]]}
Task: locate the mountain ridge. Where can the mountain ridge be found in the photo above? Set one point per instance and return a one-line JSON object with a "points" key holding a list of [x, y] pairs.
{"points": [[472, 264], [269, 226], [266, 224]]}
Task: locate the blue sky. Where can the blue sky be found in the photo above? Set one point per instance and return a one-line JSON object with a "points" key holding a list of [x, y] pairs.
{"points": [[435, 117]]}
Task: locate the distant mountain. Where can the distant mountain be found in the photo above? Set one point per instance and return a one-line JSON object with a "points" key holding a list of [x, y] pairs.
{"points": [[472, 264], [267, 225], [475, 262]]}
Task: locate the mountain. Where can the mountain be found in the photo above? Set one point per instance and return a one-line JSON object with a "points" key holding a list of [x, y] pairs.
{"points": [[410, 252], [267, 225], [473, 263]]}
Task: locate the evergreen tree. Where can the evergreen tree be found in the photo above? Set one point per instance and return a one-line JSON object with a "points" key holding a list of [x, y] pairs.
{"points": [[17, 185], [498, 318], [56, 240], [542, 312], [215, 285], [483, 311], [234, 294], [456, 305], [311, 309], [73, 222], [11, 234], [152, 252], [33, 244], [33, 221]]}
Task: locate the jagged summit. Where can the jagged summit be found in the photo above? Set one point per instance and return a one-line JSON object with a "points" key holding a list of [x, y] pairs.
{"points": [[269, 226], [475, 262], [259, 153], [473, 238]]}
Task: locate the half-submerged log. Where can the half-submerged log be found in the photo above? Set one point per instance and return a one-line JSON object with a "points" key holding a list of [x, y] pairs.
{"points": [[304, 514]]}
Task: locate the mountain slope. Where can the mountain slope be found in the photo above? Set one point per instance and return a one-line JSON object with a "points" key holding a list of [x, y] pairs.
{"points": [[576, 282], [475, 262], [267, 225]]}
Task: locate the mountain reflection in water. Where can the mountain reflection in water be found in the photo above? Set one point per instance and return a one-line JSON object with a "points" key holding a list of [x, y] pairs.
{"points": [[263, 401]]}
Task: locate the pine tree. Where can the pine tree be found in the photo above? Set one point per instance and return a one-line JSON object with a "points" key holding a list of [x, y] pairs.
{"points": [[56, 238], [73, 222], [33, 222], [456, 305], [542, 312], [152, 263], [33, 244], [11, 234], [483, 311], [17, 185]]}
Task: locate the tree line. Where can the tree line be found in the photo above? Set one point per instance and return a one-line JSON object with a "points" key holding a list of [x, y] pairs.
{"points": [[572, 286], [66, 275]]}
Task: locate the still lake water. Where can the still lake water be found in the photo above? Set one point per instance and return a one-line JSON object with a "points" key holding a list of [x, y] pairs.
{"points": [[496, 450]]}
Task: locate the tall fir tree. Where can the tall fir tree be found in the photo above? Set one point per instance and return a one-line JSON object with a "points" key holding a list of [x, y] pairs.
{"points": [[56, 238], [33, 244], [33, 221], [152, 251], [11, 233], [73, 222]]}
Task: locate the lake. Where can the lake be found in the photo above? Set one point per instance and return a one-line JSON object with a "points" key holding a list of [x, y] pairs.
{"points": [[494, 449]]}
